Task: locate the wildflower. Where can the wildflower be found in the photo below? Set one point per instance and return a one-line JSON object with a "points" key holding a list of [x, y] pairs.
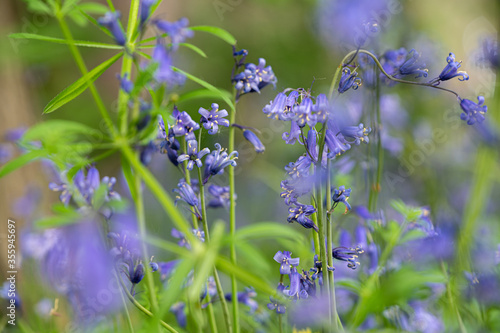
{"points": [[489, 53], [136, 274], [183, 242], [299, 168], [111, 21], [254, 140], [294, 134], [276, 108], [411, 67], [125, 84], [294, 283], [451, 71], [217, 161], [348, 254], [146, 10], [147, 152], [264, 75], [246, 297], [393, 59], [220, 196], [177, 31], [183, 123], [213, 118], [317, 270], [336, 143], [178, 310], [162, 134], [185, 193], [193, 155], [164, 73], [300, 214], [254, 77], [321, 108], [285, 260], [473, 112], [341, 195], [154, 266], [275, 305], [358, 133], [303, 113], [289, 192], [15, 134], [348, 80]]}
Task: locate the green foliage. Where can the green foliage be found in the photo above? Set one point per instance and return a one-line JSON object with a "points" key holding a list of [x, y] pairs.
{"points": [[64, 41], [216, 31]]}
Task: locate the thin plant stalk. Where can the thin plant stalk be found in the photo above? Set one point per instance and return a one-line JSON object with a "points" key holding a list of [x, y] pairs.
{"points": [[375, 187]]}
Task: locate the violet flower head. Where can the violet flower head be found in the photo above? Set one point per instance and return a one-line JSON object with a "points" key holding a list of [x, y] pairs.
{"points": [[289, 192], [180, 315], [299, 213], [451, 70], [125, 84], [473, 112], [164, 73], [299, 168], [303, 113], [489, 55], [276, 108], [341, 195], [111, 21], [294, 134], [184, 124], [347, 254], [412, 67], [213, 118], [145, 10], [357, 133], [285, 260], [220, 196], [247, 298], [193, 155], [177, 31], [162, 133], [294, 288], [217, 161], [254, 78], [254, 140], [185, 193], [336, 143], [264, 74], [321, 108], [348, 80]]}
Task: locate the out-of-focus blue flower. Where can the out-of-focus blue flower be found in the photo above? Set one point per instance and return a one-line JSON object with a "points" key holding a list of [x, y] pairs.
{"points": [[146, 10], [358, 133], [412, 67], [162, 133], [220, 196], [178, 310], [348, 80], [177, 31], [5, 153], [200, 234], [254, 140], [285, 260], [217, 161], [451, 71], [154, 266], [294, 288], [164, 73], [299, 213], [213, 118], [473, 112], [341, 195], [193, 155], [489, 53], [184, 124], [167, 268], [246, 297], [321, 108], [111, 21], [485, 287], [15, 134], [347, 254], [275, 304], [125, 84], [147, 152], [294, 134], [26, 205], [424, 320]]}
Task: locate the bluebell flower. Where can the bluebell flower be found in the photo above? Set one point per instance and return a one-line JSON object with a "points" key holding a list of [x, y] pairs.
{"points": [[15, 134], [336, 143], [111, 21], [193, 155], [154, 266], [183, 242], [489, 53], [172, 154], [264, 74], [5, 153], [348, 80], [360, 236], [276, 108], [213, 118], [294, 288], [254, 77], [358, 133], [392, 60], [341, 195], [254, 140], [136, 274], [220, 196], [303, 113], [411, 66], [185, 193], [162, 133], [183, 123], [321, 108], [147, 152], [247, 298], [300, 168], [167, 268], [217, 161], [424, 320], [178, 310], [473, 112], [451, 71], [65, 195], [145, 10], [177, 31], [347, 254], [125, 84], [164, 73], [300, 214], [285, 260], [289, 192], [294, 134], [317, 270], [275, 305]]}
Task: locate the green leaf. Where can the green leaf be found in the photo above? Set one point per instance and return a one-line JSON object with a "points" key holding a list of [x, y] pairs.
{"points": [[216, 31], [56, 221], [266, 230], [22, 35], [245, 276], [201, 94], [222, 94], [79, 86], [38, 6], [189, 46], [93, 7], [21, 161]]}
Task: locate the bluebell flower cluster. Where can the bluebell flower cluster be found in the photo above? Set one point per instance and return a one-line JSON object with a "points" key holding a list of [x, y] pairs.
{"points": [[400, 63], [348, 80], [112, 22]]}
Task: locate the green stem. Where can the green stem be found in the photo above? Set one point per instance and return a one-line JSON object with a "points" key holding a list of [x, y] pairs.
{"points": [[280, 319], [375, 187], [142, 308], [232, 220], [127, 313], [187, 175], [451, 299], [83, 69], [211, 316]]}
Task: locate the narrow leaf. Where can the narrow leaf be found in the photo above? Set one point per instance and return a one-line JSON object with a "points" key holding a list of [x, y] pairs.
{"points": [[22, 35], [216, 31], [79, 85], [20, 161]]}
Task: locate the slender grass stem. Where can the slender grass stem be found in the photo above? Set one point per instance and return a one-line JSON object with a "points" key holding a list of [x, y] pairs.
{"points": [[127, 313], [375, 187], [232, 219]]}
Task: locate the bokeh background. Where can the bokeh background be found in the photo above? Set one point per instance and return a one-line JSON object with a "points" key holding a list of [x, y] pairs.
{"points": [[294, 40]]}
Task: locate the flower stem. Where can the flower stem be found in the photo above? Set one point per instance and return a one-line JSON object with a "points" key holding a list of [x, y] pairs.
{"points": [[232, 220], [127, 313], [220, 291], [187, 175], [375, 187]]}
